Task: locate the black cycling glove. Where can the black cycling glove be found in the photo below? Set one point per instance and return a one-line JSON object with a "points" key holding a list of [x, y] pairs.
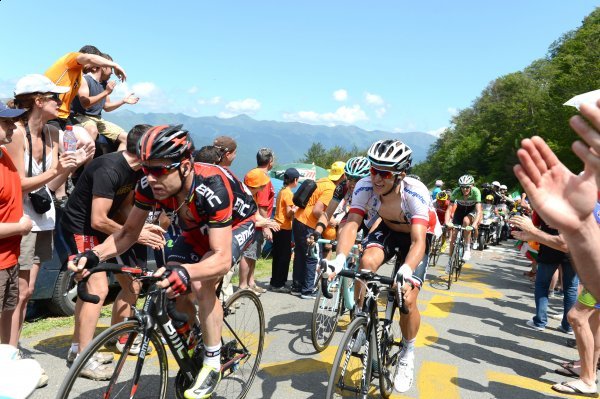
{"points": [[92, 259]]}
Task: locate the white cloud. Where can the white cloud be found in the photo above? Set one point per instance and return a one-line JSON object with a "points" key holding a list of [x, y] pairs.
{"points": [[247, 106], [380, 112], [438, 132], [453, 111], [340, 95], [344, 114], [397, 130], [210, 101], [193, 90], [374, 99]]}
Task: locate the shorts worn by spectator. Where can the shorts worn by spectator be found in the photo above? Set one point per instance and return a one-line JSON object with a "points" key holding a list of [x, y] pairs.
{"points": [[93, 98]]}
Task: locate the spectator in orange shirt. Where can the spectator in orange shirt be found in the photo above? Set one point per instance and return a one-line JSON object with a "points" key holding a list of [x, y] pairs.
{"points": [[282, 240]]}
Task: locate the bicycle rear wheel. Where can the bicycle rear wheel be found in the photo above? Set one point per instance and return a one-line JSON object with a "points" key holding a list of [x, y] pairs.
{"points": [[243, 338], [436, 246], [325, 316], [152, 381], [351, 371]]}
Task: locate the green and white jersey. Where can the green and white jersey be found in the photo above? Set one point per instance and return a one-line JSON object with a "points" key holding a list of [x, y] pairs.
{"points": [[468, 202]]}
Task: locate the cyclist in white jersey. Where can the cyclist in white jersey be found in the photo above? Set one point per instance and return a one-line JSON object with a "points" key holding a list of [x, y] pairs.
{"points": [[402, 205]]}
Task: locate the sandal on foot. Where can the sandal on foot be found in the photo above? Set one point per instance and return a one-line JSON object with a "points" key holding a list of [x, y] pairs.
{"points": [[569, 369], [576, 387]]}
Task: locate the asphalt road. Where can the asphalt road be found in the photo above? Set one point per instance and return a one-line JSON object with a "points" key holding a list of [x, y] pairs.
{"points": [[473, 341]]}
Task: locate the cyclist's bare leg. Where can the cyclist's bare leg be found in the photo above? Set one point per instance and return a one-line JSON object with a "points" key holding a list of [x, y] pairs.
{"points": [[372, 258], [452, 240], [467, 221], [210, 311], [245, 265], [87, 314], [127, 297], [410, 323]]}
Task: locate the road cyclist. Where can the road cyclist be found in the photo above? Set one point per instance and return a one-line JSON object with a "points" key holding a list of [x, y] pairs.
{"points": [[464, 210], [402, 205], [200, 199]]}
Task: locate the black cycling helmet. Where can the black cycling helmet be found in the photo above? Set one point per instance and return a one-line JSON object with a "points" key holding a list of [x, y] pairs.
{"points": [[165, 142]]}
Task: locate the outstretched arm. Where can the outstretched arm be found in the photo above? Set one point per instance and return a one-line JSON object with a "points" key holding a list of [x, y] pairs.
{"points": [[566, 201]]}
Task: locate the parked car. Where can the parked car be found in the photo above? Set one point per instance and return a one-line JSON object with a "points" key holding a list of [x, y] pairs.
{"points": [[54, 286]]}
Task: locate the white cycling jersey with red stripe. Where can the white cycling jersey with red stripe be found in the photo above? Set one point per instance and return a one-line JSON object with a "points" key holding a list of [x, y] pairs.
{"points": [[415, 201]]}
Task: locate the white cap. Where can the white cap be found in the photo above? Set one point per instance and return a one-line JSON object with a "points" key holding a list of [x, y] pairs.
{"points": [[37, 83], [19, 377], [439, 183], [496, 183]]}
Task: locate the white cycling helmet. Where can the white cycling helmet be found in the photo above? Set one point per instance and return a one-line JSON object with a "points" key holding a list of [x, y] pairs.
{"points": [[439, 183], [503, 187], [390, 153], [496, 183], [466, 180]]}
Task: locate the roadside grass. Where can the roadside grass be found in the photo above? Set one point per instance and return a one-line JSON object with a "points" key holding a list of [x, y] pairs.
{"points": [[49, 322]]}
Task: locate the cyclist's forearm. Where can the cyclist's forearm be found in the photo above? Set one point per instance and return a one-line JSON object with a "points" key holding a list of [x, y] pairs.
{"points": [[415, 253], [216, 264], [346, 237], [585, 254]]}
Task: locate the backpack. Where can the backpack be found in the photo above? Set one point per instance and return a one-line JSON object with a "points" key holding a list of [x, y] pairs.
{"points": [[304, 192]]}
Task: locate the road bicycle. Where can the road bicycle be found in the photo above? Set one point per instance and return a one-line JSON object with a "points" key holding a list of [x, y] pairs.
{"points": [[146, 374], [436, 248], [456, 258], [331, 304], [371, 344]]}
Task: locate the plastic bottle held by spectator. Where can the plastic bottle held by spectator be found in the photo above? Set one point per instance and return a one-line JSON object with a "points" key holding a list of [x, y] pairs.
{"points": [[69, 140]]}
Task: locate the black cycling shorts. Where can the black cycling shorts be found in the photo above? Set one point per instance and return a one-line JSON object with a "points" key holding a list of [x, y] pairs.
{"points": [[460, 214], [183, 251], [392, 243]]}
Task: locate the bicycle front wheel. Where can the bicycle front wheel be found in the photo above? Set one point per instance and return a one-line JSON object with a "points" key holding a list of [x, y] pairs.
{"points": [[390, 346], [325, 315], [117, 378], [243, 338], [351, 371]]}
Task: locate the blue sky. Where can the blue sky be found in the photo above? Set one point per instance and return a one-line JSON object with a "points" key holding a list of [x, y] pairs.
{"points": [[390, 65]]}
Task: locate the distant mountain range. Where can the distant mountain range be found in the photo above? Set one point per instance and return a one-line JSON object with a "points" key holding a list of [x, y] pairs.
{"points": [[289, 140]]}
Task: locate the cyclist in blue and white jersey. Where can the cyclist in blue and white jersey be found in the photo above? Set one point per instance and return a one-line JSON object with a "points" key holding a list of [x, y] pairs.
{"points": [[402, 204]]}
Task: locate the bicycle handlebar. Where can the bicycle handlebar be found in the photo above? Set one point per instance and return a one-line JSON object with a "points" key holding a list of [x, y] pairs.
{"points": [[459, 227], [106, 267]]}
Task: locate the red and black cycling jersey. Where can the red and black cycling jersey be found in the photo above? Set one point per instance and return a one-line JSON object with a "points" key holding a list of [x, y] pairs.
{"points": [[217, 199]]}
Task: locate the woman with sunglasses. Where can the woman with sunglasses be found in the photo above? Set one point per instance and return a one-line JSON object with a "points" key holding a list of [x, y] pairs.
{"points": [[401, 204], [34, 148], [465, 210]]}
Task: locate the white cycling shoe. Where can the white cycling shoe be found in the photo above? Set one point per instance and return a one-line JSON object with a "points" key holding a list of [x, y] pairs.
{"points": [[405, 372], [467, 255]]}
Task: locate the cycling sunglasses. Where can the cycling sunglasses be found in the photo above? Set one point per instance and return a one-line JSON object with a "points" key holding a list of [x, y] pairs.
{"points": [[465, 187], [384, 174], [160, 170]]}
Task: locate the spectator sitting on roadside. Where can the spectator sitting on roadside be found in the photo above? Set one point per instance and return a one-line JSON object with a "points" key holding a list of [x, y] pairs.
{"points": [[228, 150], [282, 239], [93, 98], [67, 71]]}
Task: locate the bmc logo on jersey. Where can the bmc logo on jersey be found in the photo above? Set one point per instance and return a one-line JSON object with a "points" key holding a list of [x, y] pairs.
{"points": [[241, 207], [209, 194]]}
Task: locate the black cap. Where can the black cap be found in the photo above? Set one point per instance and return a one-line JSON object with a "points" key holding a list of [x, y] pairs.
{"points": [[292, 173]]}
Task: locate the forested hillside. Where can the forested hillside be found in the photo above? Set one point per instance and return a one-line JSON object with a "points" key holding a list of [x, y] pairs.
{"points": [[482, 139]]}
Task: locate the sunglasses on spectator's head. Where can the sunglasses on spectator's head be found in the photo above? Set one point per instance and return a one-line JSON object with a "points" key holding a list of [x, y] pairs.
{"points": [[159, 170], [384, 174]]}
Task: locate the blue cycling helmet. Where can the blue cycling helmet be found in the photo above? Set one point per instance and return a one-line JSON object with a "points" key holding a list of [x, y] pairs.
{"points": [[357, 167]]}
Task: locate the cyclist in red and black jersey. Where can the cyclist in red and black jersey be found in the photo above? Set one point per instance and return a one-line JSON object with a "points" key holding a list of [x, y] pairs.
{"points": [[201, 199]]}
